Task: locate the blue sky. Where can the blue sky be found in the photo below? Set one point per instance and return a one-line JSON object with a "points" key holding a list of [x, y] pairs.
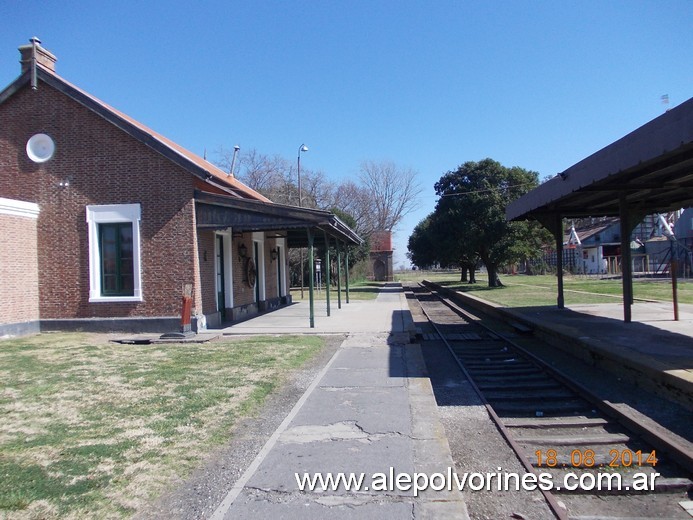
{"points": [[426, 84]]}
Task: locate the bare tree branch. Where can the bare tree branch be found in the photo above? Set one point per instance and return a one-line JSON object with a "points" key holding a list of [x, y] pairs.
{"points": [[394, 192]]}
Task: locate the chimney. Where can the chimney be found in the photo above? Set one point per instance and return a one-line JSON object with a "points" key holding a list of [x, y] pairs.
{"points": [[43, 57]]}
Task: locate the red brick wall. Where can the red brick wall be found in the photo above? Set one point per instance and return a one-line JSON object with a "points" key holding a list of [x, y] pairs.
{"points": [[103, 166], [381, 241], [271, 286], [208, 283], [242, 294], [18, 270]]}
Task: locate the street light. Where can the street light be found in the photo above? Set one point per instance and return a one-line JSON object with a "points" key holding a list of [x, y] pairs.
{"points": [[302, 148], [233, 160]]}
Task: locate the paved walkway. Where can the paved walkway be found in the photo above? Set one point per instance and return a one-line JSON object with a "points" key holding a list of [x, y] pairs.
{"points": [[371, 410], [388, 313]]}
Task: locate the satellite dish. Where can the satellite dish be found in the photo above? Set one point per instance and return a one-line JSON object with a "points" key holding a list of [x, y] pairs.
{"points": [[40, 148]]}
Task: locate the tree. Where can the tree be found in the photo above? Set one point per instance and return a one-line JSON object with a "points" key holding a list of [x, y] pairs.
{"points": [[431, 242], [356, 254], [268, 175], [356, 201], [393, 192], [421, 246], [472, 203], [384, 195]]}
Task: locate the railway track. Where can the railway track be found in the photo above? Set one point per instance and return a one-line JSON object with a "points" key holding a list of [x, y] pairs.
{"points": [[559, 428]]}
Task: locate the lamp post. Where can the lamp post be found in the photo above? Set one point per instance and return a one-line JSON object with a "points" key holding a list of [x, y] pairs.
{"points": [[233, 160], [302, 148]]}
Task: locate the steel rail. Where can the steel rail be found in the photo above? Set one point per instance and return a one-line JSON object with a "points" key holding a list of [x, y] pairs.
{"points": [[560, 512], [678, 452]]}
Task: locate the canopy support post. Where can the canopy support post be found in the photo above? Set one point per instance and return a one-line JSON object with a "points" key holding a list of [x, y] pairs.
{"points": [[327, 271], [311, 283]]}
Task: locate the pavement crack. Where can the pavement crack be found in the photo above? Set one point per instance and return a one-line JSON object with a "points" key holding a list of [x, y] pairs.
{"points": [[341, 431]]}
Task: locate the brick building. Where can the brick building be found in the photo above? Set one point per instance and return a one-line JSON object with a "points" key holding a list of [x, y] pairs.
{"points": [[104, 221], [380, 266]]}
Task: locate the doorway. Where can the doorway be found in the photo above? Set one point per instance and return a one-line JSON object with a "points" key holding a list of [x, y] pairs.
{"points": [[280, 286], [256, 258], [221, 281]]}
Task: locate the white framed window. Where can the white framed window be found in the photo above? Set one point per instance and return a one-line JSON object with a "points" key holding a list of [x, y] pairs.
{"points": [[114, 253]]}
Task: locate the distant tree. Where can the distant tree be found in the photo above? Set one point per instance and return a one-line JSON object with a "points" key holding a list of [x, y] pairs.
{"points": [[382, 197], [472, 203], [356, 254], [269, 175], [356, 201], [393, 192], [432, 242], [422, 250], [317, 191]]}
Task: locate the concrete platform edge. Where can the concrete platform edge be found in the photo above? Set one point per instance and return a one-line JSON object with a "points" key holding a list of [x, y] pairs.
{"points": [[629, 364], [431, 449]]}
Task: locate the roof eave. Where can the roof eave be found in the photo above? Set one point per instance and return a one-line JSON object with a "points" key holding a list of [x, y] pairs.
{"points": [[667, 136]]}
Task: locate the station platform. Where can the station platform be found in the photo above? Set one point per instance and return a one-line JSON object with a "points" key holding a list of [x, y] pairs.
{"points": [[387, 313], [652, 350], [371, 410]]}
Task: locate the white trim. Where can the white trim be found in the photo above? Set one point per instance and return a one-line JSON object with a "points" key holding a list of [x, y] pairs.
{"points": [[19, 208], [228, 267], [111, 214]]}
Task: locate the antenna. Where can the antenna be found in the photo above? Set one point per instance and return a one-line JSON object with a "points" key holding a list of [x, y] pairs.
{"points": [[665, 102]]}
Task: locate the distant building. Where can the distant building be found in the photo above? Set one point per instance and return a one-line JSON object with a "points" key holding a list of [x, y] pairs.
{"points": [[593, 246], [380, 265]]}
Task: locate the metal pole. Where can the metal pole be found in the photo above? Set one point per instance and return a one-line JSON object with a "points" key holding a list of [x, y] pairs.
{"points": [[346, 262], [327, 272], [310, 281], [233, 160], [674, 282], [298, 167], [34, 78], [339, 276], [626, 268], [559, 260], [302, 148]]}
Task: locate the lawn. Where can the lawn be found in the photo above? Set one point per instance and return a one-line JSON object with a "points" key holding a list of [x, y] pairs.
{"points": [[522, 291], [97, 429]]}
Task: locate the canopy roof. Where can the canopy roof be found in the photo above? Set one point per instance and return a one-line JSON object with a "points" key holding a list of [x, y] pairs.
{"points": [[244, 215], [652, 166]]}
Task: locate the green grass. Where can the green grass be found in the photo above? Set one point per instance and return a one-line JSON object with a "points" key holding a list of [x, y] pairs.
{"points": [[98, 429], [525, 291]]}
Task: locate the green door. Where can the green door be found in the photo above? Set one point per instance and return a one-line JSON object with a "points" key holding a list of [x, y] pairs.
{"points": [[256, 255], [221, 282]]}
